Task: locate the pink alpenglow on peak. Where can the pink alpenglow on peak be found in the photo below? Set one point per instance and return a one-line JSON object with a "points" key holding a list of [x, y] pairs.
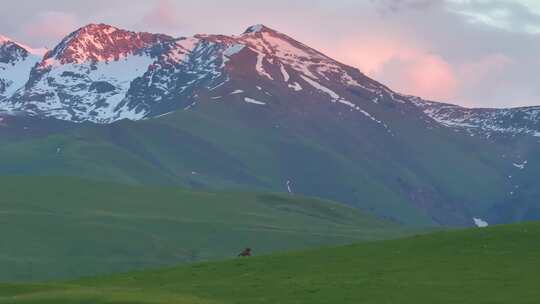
{"points": [[33, 51], [4, 39], [102, 42]]}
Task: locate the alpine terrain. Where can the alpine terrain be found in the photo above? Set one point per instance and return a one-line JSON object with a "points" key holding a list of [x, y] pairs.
{"points": [[260, 111]]}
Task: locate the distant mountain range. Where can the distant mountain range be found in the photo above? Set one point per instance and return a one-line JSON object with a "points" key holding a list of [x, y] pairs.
{"points": [[260, 111]]}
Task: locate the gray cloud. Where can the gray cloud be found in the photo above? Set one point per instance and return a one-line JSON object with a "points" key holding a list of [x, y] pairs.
{"points": [[507, 15], [395, 6]]}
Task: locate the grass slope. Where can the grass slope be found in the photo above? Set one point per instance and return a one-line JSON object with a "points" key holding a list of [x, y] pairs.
{"points": [[493, 265], [66, 227], [418, 177]]}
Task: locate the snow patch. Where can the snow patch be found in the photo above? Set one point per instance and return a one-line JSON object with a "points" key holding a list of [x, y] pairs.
{"points": [[190, 106], [260, 67], [295, 86], [286, 76], [480, 222], [234, 49], [217, 86], [254, 101], [336, 98], [289, 188], [520, 166], [321, 88], [164, 114]]}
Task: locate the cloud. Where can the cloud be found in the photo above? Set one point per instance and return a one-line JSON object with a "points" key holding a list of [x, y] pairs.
{"points": [[395, 6], [371, 53], [421, 74], [474, 72], [163, 16], [518, 16], [50, 26], [432, 77]]}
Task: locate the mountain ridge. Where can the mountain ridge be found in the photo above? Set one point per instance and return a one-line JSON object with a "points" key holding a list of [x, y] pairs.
{"points": [[165, 56], [143, 58], [101, 42]]}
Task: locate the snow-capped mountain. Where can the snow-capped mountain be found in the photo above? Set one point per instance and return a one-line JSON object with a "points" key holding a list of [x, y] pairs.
{"points": [[87, 74], [16, 61], [102, 74]]}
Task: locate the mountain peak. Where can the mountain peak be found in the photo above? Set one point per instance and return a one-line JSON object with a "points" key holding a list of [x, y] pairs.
{"points": [[258, 28], [4, 39], [37, 52], [11, 51], [98, 27], [102, 42]]}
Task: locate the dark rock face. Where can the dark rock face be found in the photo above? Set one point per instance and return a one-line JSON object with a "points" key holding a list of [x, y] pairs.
{"points": [[101, 87], [11, 52]]}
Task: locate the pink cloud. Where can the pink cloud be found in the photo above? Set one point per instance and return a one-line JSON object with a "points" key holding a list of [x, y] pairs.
{"points": [[407, 67], [163, 16], [50, 26], [370, 54], [430, 76]]}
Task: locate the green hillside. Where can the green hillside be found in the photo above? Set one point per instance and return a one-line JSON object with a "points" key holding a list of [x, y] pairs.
{"points": [[493, 265], [65, 227], [418, 177]]}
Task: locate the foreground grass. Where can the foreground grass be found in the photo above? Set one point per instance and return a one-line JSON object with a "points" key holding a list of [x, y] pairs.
{"points": [[494, 265], [60, 228]]}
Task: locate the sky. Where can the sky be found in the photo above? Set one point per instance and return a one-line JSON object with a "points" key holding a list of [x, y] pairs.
{"points": [[475, 53]]}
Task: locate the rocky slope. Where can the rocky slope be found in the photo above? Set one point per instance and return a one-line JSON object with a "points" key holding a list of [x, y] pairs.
{"points": [[484, 121]]}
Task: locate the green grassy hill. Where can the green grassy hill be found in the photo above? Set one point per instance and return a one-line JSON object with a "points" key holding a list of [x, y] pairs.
{"points": [[225, 153], [66, 227], [420, 176], [493, 265]]}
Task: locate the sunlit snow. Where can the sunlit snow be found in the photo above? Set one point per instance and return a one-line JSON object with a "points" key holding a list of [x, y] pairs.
{"points": [[520, 166], [480, 222], [254, 101]]}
